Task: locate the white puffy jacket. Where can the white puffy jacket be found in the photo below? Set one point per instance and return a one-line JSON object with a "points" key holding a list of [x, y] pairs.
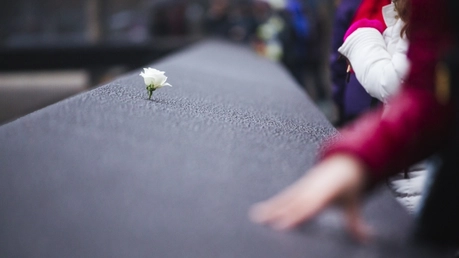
{"points": [[379, 61]]}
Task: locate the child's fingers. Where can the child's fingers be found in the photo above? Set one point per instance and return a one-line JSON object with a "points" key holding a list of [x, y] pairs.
{"points": [[355, 223], [297, 211], [295, 205], [264, 212], [286, 215]]}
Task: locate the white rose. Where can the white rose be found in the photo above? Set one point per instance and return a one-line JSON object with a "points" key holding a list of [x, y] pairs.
{"points": [[154, 78]]}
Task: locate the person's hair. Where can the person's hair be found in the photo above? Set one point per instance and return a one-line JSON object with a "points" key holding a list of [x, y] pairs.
{"points": [[403, 9]]}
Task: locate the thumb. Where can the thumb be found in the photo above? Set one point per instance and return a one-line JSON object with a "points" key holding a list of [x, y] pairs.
{"points": [[355, 223]]}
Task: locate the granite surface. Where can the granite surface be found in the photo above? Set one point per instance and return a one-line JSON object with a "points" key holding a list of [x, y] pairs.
{"points": [[108, 173]]}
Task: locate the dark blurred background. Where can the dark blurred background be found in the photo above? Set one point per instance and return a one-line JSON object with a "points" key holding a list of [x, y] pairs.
{"points": [[53, 49]]}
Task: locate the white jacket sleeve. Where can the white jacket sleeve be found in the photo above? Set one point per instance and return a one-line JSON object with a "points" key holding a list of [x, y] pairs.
{"points": [[379, 72]]}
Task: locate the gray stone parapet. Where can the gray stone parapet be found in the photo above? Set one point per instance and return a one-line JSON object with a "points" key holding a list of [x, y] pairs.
{"points": [[108, 173]]}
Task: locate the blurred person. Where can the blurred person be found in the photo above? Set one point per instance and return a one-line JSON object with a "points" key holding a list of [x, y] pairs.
{"points": [[348, 95], [168, 19], [289, 34], [318, 15], [421, 120], [233, 21], [303, 41], [242, 23], [297, 41], [376, 52], [271, 25], [380, 64], [217, 17], [194, 18]]}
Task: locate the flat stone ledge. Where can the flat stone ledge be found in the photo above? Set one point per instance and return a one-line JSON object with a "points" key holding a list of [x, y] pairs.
{"points": [[108, 173]]}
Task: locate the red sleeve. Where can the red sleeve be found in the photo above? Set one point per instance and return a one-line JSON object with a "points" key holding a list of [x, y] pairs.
{"points": [[411, 129], [415, 124], [371, 9]]}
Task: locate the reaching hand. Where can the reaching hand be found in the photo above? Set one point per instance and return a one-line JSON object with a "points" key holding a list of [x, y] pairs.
{"points": [[337, 178]]}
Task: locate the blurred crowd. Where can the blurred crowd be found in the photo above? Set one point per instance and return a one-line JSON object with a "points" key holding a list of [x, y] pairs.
{"points": [[293, 32]]}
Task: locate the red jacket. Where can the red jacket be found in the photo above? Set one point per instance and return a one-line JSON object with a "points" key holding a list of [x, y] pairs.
{"points": [[417, 123]]}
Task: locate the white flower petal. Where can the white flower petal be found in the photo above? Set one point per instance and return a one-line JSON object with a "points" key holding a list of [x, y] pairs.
{"points": [[154, 77], [162, 79], [148, 80]]}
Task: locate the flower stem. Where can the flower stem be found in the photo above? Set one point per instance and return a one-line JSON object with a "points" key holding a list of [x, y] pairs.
{"points": [[150, 90], [149, 93]]}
